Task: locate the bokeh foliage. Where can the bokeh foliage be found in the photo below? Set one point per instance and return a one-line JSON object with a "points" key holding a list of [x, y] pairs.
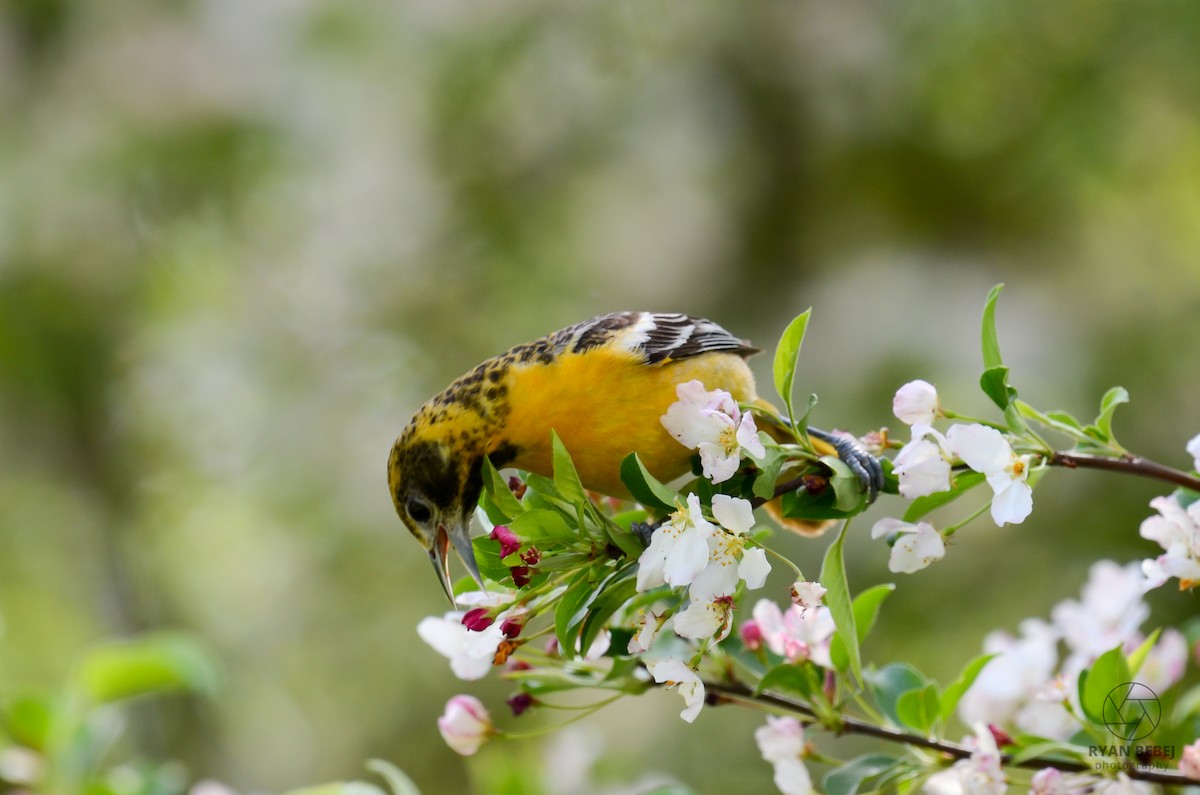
{"points": [[241, 242]]}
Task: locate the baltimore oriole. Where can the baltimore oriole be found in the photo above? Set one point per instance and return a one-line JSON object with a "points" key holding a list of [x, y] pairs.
{"points": [[601, 385]]}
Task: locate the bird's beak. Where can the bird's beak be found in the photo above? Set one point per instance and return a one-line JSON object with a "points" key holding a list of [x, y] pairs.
{"points": [[460, 537]]}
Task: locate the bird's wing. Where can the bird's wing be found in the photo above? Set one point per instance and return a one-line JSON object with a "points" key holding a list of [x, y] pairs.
{"points": [[655, 336]]}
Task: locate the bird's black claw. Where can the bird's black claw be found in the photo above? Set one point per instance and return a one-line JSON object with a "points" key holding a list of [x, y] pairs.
{"points": [[643, 530], [864, 465]]}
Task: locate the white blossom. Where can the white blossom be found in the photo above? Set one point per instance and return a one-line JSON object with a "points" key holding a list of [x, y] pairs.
{"points": [[678, 550], [705, 618], [914, 547], [781, 742], [921, 467], [916, 403], [1022, 666], [986, 451], [1193, 449], [712, 424], [807, 594], [465, 724], [675, 673], [1107, 614], [728, 558], [648, 629], [981, 774], [1177, 530], [470, 653]]}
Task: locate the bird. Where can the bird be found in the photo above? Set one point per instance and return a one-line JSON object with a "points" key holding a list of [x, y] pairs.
{"points": [[602, 386]]}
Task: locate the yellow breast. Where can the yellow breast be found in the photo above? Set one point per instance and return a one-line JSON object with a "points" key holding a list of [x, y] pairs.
{"points": [[605, 404]]}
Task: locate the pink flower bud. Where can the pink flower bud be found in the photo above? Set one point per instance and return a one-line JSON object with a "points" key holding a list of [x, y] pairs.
{"points": [[520, 702], [465, 724], [477, 619], [521, 575], [1001, 737], [509, 543], [751, 634], [512, 627]]}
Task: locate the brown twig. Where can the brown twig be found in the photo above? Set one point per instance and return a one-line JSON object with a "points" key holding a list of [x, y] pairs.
{"points": [[739, 693], [1131, 464]]}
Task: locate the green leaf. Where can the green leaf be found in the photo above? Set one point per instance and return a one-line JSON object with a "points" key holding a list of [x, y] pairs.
{"points": [[1109, 671], [150, 664], [540, 525], [991, 345], [847, 489], [1060, 421], [566, 478], [794, 679], [571, 610], [837, 598], [960, 485], [768, 473], [501, 494], [891, 682], [866, 610], [847, 779], [960, 686], [1108, 404], [494, 514], [919, 709], [806, 505], [616, 592], [399, 783], [786, 354], [1138, 657], [994, 383], [1048, 750], [1065, 419], [487, 558], [644, 487]]}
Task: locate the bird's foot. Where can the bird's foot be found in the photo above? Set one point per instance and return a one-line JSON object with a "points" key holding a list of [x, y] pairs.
{"points": [[864, 465], [643, 531]]}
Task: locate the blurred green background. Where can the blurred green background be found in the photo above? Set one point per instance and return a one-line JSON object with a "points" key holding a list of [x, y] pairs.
{"points": [[240, 242]]}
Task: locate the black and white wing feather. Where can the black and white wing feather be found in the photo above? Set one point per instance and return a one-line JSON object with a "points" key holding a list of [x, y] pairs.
{"points": [[657, 336]]}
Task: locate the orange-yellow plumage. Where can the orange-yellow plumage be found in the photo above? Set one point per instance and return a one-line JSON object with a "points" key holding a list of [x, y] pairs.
{"points": [[606, 403]]}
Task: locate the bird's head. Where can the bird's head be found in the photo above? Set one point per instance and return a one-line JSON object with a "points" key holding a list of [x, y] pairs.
{"points": [[434, 474]]}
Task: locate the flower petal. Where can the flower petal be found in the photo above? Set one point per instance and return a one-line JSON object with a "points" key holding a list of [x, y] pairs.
{"points": [[747, 436], [981, 448], [916, 403], [733, 513], [1013, 503], [754, 567]]}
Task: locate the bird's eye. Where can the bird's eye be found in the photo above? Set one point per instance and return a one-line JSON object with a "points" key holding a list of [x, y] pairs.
{"points": [[418, 511]]}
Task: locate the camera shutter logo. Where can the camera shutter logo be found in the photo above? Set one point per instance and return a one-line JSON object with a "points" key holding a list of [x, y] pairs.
{"points": [[1131, 711]]}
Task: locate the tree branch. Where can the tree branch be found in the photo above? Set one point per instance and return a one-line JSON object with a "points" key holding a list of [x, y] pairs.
{"points": [[739, 693], [1131, 464]]}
